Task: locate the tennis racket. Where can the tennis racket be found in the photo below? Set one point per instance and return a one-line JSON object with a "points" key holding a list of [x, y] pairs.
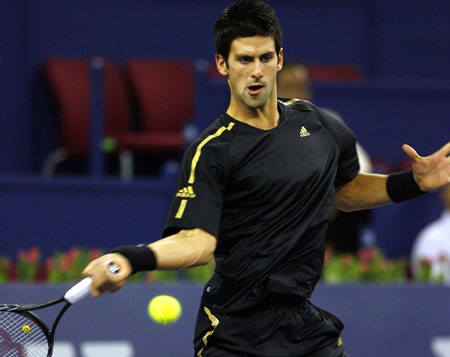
{"points": [[24, 334]]}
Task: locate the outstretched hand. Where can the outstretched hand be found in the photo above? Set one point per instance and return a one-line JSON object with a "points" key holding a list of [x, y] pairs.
{"points": [[102, 279], [430, 172]]}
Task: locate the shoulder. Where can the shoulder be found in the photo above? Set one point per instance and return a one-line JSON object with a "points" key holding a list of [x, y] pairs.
{"points": [[219, 131], [295, 104], [331, 120], [214, 142], [325, 115]]}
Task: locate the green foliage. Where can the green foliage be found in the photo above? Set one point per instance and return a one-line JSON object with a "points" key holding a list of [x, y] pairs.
{"points": [[369, 265], [168, 276], [5, 264], [67, 266], [28, 263], [201, 273], [425, 272]]}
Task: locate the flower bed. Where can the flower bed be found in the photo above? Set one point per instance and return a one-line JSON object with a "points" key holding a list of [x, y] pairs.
{"points": [[368, 265], [67, 267]]}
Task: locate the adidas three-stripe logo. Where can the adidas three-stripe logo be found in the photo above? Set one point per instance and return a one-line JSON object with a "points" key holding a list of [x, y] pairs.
{"points": [[187, 192]]}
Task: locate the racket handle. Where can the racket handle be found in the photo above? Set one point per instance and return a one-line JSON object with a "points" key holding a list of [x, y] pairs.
{"points": [[78, 291]]}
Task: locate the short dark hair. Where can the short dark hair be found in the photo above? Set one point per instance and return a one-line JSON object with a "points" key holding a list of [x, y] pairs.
{"points": [[246, 18]]}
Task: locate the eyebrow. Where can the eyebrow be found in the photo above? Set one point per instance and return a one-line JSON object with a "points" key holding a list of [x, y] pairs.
{"points": [[248, 55]]}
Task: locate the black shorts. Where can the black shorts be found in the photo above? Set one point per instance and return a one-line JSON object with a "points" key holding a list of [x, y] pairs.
{"points": [[280, 326]]}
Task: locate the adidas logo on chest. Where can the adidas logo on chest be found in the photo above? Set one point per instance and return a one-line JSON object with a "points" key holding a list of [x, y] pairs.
{"points": [[304, 132]]}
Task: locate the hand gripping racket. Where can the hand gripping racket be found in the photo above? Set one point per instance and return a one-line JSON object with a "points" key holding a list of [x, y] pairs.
{"points": [[24, 334]]}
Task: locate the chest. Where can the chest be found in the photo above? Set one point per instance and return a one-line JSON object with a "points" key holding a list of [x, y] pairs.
{"points": [[294, 155]]}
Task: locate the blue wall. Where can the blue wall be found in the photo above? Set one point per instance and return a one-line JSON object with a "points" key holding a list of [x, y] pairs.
{"points": [[59, 214], [401, 47], [385, 39], [388, 321]]}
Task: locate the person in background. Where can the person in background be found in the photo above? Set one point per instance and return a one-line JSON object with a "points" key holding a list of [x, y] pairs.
{"points": [[346, 230], [432, 246]]}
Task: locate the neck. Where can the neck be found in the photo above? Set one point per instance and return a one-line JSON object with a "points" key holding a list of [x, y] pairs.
{"points": [[265, 118]]}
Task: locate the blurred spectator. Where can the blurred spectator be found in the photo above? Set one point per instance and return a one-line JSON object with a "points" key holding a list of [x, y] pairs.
{"points": [[431, 250], [294, 81], [346, 230]]}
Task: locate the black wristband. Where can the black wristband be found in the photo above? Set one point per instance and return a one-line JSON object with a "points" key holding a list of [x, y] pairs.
{"points": [[401, 186], [141, 257]]}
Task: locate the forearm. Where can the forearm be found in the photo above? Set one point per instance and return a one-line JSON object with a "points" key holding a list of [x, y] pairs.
{"points": [[364, 192], [188, 248]]}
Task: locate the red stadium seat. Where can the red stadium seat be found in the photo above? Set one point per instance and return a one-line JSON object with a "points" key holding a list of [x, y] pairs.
{"points": [[164, 91], [334, 73], [69, 81], [165, 98]]}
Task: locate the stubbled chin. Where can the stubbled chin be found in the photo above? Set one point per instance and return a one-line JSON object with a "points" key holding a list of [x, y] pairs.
{"points": [[255, 102]]}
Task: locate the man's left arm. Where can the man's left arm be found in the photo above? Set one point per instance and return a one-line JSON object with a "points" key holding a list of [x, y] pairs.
{"points": [[371, 190]]}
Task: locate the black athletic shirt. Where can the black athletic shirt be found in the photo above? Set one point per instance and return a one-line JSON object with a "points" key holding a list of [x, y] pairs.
{"points": [[267, 195]]}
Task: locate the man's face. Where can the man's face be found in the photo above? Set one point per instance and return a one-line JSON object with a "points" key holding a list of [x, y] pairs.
{"points": [[252, 70]]}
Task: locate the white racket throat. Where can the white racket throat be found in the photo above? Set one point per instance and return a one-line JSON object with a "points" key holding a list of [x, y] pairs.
{"points": [[82, 289], [78, 291]]}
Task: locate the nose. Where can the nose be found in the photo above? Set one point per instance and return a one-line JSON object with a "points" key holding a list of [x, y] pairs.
{"points": [[257, 71]]}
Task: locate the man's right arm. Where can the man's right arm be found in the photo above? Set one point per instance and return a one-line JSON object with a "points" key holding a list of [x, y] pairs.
{"points": [[185, 249]]}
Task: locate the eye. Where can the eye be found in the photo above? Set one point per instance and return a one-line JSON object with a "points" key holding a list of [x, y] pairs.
{"points": [[266, 57], [245, 59]]}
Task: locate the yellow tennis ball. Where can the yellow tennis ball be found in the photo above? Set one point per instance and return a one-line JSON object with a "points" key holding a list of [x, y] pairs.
{"points": [[164, 309], [26, 328]]}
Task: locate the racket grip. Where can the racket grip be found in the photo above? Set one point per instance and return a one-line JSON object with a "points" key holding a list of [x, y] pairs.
{"points": [[78, 291]]}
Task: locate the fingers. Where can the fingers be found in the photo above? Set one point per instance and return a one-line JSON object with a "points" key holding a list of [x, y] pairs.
{"points": [[95, 264], [412, 154], [90, 267], [445, 150], [103, 280]]}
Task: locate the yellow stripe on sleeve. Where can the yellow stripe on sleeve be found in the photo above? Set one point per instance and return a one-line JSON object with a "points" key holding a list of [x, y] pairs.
{"points": [[189, 191], [198, 152], [181, 209]]}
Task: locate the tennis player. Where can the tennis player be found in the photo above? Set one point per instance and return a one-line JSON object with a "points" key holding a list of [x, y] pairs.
{"points": [[256, 192]]}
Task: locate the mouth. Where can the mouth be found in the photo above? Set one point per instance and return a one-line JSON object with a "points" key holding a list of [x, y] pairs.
{"points": [[255, 89]]}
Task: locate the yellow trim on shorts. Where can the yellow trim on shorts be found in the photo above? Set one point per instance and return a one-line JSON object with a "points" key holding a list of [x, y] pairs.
{"points": [[214, 323]]}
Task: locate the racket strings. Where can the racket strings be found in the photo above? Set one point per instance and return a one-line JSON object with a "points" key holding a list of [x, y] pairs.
{"points": [[21, 337]]}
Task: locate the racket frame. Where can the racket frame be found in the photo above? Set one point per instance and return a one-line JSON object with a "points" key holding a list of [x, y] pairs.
{"points": [[26, 311], [73, 295]]}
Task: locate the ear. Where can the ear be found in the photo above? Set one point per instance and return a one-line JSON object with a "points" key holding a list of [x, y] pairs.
{"points": [[221, 65], [280, 60]]}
